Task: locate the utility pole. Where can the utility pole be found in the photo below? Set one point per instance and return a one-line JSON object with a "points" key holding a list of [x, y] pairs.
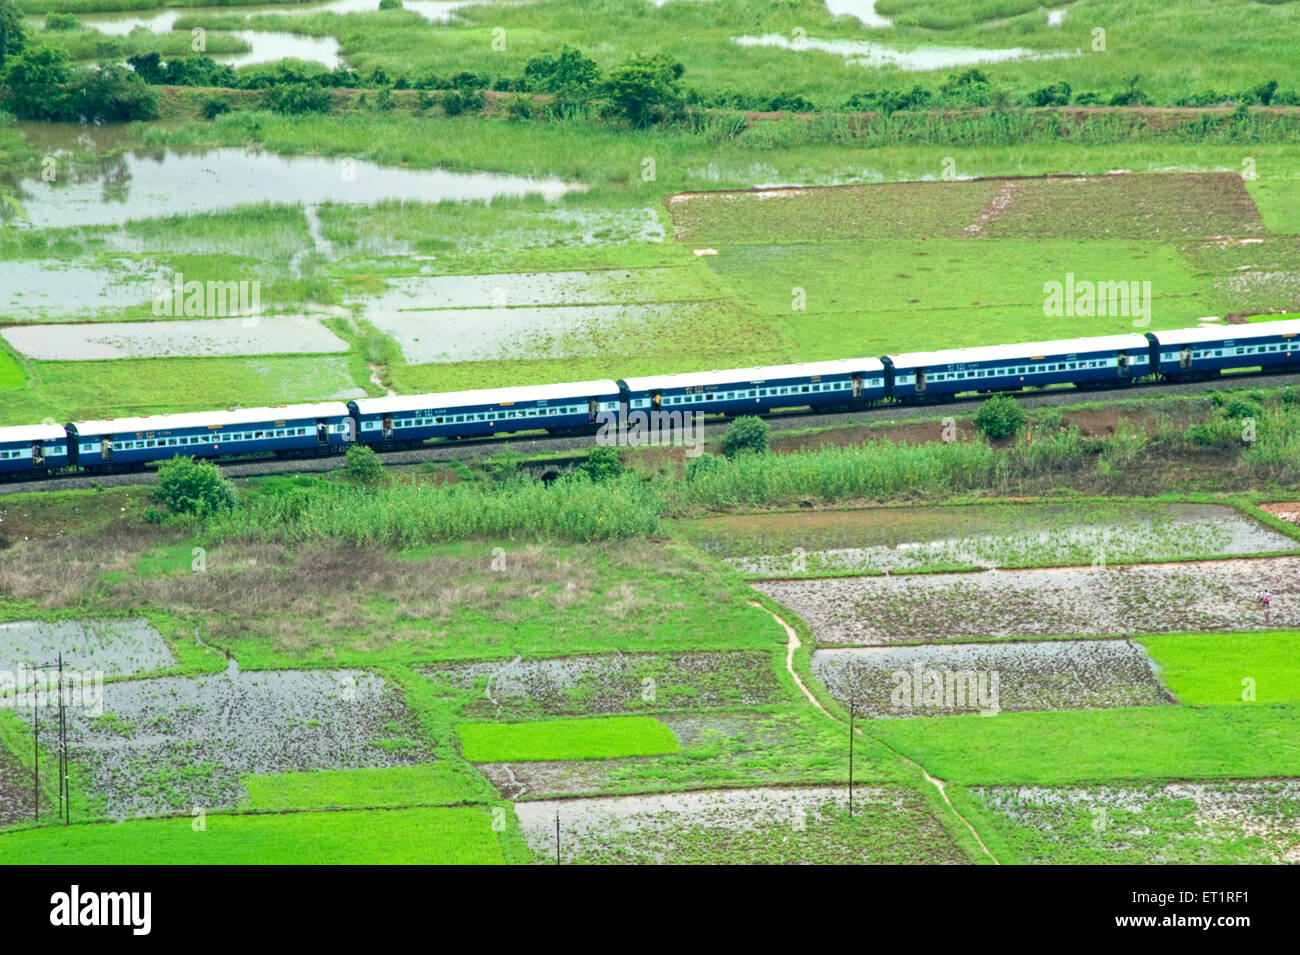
{"points": [[557, 837], [36, 736], [853, 706]]}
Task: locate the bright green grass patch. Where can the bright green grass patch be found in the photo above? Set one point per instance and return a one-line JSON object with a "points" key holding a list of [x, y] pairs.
{"points": [[11, 373], [435, 783], [1278, 201], [566, 739], [1169, 742], [1209, 668], [114, 389], [397, 836]]}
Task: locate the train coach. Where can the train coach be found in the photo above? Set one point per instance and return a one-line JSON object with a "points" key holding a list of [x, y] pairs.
{"points": [[126, 442], [32, 450], [822, 385], [1099, 362], [1188, 353], [410, 419]]}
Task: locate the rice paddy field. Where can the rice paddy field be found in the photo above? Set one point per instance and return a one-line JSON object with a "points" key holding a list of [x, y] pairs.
{"points": [[447, 662]]}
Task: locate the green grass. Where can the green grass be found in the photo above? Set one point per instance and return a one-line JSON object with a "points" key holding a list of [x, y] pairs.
{"points": [[597, 738], [1205, 669], [1173, 742], [440, 836], [11, 373], [427, 784], [73, 390]]}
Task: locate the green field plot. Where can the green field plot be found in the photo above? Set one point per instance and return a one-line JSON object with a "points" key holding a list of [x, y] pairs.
{"points": [[11, 373], [1216, 742], [424, 784], [112, 389], [566, 739], [1205, 669], [389, 836]]}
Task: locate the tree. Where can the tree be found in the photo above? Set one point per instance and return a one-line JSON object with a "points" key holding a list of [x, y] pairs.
{"points": [[112, 93], [571, 71], [603, 462], [363, 464], [645, 89], [1000, 417], [744, 435], [11, 31], [188, 486], [36, 79]]}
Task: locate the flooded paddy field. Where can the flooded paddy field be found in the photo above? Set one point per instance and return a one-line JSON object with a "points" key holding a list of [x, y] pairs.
{"points": [[511, 289], [172, 743], [15, 790], [596, 685], [938, 680], [734, 748], [1229, 822], [151, 182], [429, 336], [36, 289], [769, 826], [112, 647], [902, 540], [1146, 598], [191, 338]]}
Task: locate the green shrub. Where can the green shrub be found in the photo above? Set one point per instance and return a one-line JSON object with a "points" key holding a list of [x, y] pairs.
{"points": [[603, 462], [295, 99], [1242, 406], [1000, 417], [362, 465], [746, 434], [212, 108], [390, 4], [61, 22], [189, 486], [1046, 419]]}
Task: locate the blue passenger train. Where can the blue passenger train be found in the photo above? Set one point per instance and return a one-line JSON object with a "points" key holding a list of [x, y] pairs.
{"points": [[581, 407]]}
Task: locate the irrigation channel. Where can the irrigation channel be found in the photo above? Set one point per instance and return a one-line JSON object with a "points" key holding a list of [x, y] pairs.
{"points": [[535, 444]]}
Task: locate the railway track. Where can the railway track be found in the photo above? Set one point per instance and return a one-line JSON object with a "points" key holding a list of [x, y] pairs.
{"points": [[537, 444]]}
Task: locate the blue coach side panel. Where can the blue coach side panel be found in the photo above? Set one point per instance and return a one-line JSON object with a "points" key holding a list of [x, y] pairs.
{"points": [[816, 385], [1086, 362], [1210, 349], [118, 442], [32, 449], [472, 414]]}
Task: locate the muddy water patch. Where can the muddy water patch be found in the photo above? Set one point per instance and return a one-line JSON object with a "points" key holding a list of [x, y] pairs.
{"points": [[501, 290], [112, 647], [520, 689], [875, 55], [1145, 598], [157, 182], [31, 290], [798, 825], [172, 743], [901, 540], [990, 678], [15, 790], [253, 335]]}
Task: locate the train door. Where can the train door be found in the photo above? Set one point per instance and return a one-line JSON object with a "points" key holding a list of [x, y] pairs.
{"points": [[1185, 357], [1122, 363], [322, 431], [920, 381], [106, 449], [656, 399], [386, 428], [857, 385], [38, 455], [593, 409]]}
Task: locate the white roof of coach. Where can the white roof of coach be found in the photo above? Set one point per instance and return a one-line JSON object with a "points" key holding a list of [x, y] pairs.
{"points": [[691, 379], [31, 432], [487, 396], [1064, 346], [211, 419], [1210, 333]]}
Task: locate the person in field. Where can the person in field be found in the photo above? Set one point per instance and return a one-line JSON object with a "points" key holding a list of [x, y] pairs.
{"points": [[1266, 601]]}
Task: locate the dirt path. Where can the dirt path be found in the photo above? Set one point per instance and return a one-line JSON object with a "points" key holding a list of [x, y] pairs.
{"points": [[792, 644]]}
